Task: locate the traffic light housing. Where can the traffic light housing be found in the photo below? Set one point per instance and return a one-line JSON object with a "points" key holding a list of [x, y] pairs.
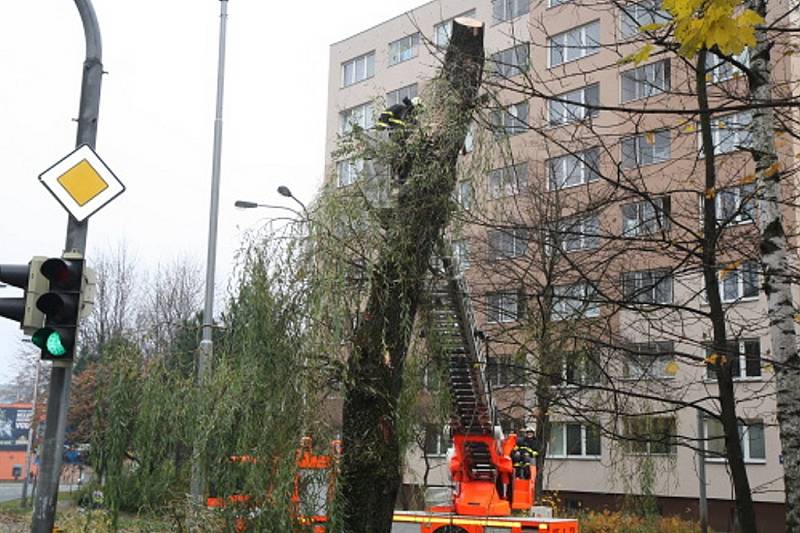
{"points": [[62, 307], [30, 279]]}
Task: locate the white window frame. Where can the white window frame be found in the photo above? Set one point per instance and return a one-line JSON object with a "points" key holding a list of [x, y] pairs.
{"points": [[512, 61], [348, 171], [363, 69], [509, 9], [659, 151], [578, 234], [648, 444], [561, 113], [442, 441], [558, 431], [509, 120], [649, 360], [647, 80], [649, 216], [507, 244], [403, 49], [464, 194], [737, 275], [572, 301], [584, 370], [507, 181], [361, 114], [396, 96], [741, 373], [502, 307], [584, 164], [556, 3], [581, 36], [502, 371], [443, 30], [461, 254], [650, 287], [728, 133], [718, 438], [723, 70], [743, 205], [644, 12]]}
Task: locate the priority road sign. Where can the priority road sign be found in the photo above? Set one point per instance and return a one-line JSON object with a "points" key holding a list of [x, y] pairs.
{"points": [[82, 182]]}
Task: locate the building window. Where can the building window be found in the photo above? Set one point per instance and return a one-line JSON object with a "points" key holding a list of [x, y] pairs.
{"points": [[503, 372], [736, 205], [646, 217], [503, 10], [577, 233], [649, 360], [461, 254], [508, 181], [396, 96], [358, 69], [723, 70], [647, 287], [360, 115], [464, 194], [634, 16], [564, 113], [436, 441], [746, 359], [507, 243], [572, 439], [730, 133], [751, 435], [647, 80], [511, 62], [403, 49], [348, 171], [444, 30], [574, 301], [554, 3], [510, 120], [651, 435], [573, 169], [502, 307], [739, 281], [645, 149], [578, 369], [574, 44]]}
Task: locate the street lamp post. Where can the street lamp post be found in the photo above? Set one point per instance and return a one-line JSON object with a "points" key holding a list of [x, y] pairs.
{"points": [[205, 351]]}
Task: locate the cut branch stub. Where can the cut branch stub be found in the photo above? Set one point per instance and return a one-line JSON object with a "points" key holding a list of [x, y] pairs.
{"points": [[463, 62]]}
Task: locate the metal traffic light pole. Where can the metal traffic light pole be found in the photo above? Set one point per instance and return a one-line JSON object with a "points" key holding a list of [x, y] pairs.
{"points": [[61, 374]]}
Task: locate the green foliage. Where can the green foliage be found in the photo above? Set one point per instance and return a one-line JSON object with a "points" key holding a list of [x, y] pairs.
{"points": [[608, 522]]}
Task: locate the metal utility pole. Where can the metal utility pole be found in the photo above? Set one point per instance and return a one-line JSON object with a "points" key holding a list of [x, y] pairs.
{"points": [[205, 351], [28, 449], [61, 374]]}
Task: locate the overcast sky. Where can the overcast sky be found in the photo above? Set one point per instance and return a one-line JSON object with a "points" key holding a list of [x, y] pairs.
{"points": [[156, 120]]}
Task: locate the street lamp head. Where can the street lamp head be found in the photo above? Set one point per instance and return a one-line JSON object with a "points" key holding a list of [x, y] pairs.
{"points": [[283, 190], [245, 204]]}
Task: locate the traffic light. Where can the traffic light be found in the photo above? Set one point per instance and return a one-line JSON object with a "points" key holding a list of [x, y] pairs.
{"points": [[62, 307], [30, 279]]}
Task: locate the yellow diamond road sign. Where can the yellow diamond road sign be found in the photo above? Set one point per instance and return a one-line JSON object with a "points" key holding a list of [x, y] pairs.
{"points": [[82, 182]]}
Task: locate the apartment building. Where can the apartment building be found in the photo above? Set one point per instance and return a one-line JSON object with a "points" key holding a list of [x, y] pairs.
{"points": [[612, 193]]}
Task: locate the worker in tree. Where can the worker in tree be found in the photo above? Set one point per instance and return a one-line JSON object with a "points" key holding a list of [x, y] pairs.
{"points": [[525, 453], [399, 115]]}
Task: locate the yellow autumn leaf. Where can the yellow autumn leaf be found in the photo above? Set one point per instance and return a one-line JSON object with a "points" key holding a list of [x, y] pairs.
{"points": [[772, 170], [712, 358], [722, 124], [690, 128], [747, 180], [650, 137], [639, 56], [651, 27], [710, 194], [706, 24], [727, 269], [671, 368]]}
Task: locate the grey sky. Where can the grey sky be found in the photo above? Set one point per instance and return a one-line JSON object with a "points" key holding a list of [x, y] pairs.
{"points": [[156, 119]]}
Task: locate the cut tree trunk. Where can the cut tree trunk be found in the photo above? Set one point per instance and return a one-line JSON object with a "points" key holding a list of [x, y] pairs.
{"points": [[371, 468], [776, 269]]}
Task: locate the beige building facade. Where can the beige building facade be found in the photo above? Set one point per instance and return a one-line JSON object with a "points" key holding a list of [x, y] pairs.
{"points": [[566, 162]]}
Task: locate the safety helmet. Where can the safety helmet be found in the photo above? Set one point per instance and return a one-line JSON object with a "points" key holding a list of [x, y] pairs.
{"points": [[530, 429], [416, 101]]}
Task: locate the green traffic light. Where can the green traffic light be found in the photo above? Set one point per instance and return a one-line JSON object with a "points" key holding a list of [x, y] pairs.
{"points": [[54, 344], [49, 340]]}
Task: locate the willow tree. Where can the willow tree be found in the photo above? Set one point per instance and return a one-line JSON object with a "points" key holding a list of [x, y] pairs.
{"points": [[371, 466]]}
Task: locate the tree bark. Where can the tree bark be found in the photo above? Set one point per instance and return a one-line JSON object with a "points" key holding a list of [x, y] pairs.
{"points": [[726, 396], [371, 465], [776, 270]]}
